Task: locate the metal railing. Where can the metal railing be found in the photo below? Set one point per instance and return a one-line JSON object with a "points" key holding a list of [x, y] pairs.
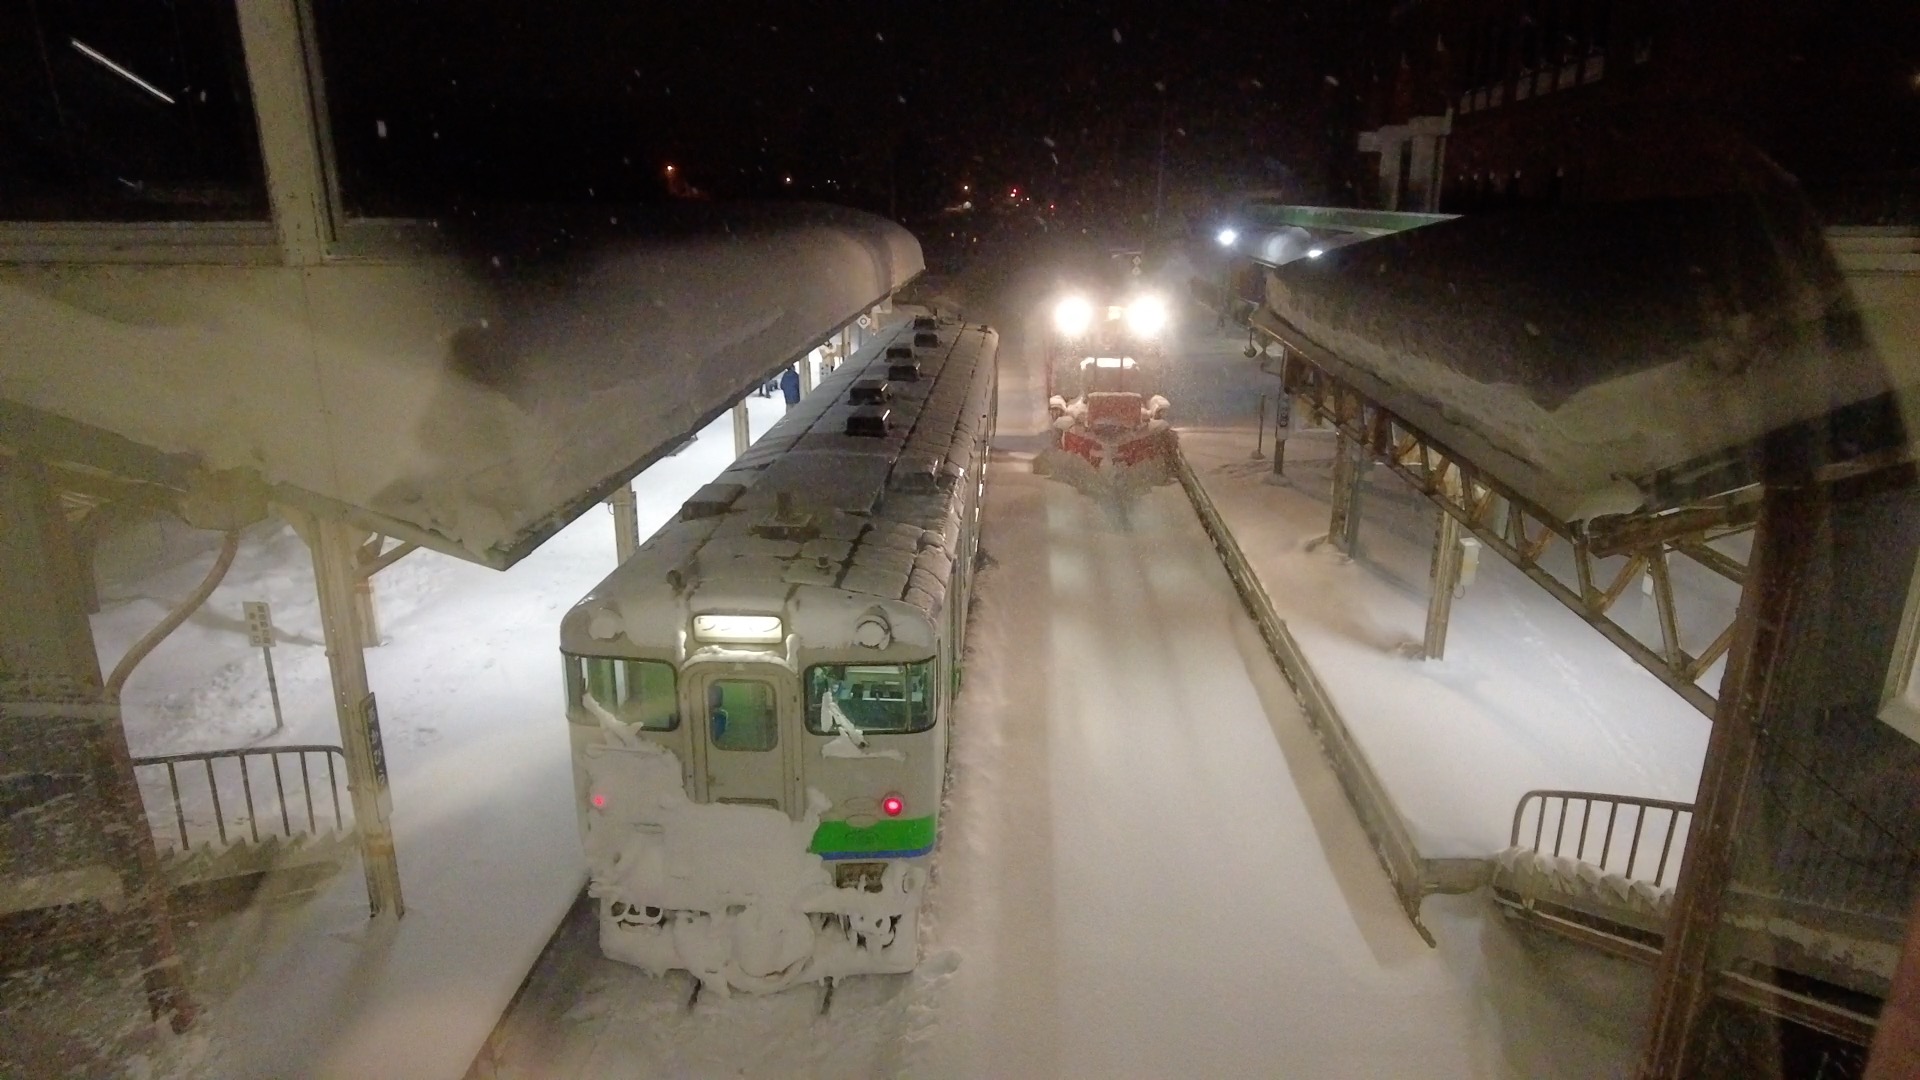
{"points": [[1636, 833], [219, 803]]}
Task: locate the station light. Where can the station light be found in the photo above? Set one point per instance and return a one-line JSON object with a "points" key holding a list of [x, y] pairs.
{"points": [[1072, 315], [739, 629], [893, 805], [1146, 315]]}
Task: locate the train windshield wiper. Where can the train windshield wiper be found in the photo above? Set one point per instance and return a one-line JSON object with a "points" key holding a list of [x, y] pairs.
{"points": [[831, 712]]}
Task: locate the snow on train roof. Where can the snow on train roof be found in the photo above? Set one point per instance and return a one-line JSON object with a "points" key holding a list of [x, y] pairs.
{"points": [[810, 505], [1588, 355]]}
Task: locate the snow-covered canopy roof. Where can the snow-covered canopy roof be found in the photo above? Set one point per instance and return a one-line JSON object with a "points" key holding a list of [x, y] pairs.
{"points": [[473, 395], [1605, 359]]}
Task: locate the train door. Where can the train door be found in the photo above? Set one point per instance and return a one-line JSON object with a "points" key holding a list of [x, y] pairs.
{"points": [[743, 717]]}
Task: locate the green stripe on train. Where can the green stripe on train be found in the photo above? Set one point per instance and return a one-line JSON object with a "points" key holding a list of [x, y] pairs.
{"points": [[840, 838]]}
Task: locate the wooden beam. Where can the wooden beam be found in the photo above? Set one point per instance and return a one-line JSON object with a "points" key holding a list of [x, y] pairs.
{"points": [[1791, 522], [1619, 535]]}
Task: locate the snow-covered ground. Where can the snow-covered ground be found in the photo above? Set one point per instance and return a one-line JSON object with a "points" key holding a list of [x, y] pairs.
{"points": [[471, 706], [1147, 868], [1528, 696]]}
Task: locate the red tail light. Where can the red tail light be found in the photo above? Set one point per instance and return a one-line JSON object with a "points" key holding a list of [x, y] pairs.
{"points": [[598, 800], [893, 804]]}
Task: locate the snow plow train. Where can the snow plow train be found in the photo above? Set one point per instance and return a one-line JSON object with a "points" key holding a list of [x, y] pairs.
{"points": [[1103, 378], [759, 697]]}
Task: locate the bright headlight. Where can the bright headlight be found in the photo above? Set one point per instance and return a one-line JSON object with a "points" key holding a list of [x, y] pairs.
{"points": [[1072, 315], [1146, 316]]}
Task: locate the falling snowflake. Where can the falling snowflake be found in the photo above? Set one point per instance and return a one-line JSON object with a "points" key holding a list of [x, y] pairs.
{"points": [[1331, 81], [1116, 35], [380, 128], [1047, 139]]}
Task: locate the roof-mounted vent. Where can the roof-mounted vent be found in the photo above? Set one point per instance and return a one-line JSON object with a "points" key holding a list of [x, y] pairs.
{"points": [[925, 322], [899, 352], [711, 500], [871, 421], [868, 392], [926, 339], [904, 370]]}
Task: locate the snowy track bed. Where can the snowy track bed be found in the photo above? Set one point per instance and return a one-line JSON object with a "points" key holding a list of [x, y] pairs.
{"points": [[583, 1016]]}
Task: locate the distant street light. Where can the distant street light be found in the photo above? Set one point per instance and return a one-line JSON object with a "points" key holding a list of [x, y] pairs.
{"points": [[1227, 237]]}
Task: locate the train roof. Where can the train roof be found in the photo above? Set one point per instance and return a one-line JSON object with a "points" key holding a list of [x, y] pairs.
{"points": [[811, 507]]}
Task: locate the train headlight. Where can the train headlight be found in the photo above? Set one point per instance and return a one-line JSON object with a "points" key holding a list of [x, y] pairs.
{"points": [[873, 631], [1146, 316], [1072, 316]]}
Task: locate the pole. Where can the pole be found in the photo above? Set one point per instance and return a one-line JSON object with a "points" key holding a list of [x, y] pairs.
{"points": [[273, 690], [1784, 542], [333, 544], [626, 522], [1282, 427], [56, 718], [1444, 577], [1260, 432], [742, 431]]}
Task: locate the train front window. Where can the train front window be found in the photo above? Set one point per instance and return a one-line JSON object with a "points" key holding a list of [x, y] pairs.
{"points": [[878, 698], [640, 693], [742, 714]]}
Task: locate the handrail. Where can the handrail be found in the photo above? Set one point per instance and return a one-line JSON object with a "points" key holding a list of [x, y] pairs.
{"points": [[290, 825], [1581, 848]]}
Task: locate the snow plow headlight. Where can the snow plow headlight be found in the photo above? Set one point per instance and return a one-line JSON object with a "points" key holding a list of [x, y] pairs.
{"points": [[1072, 316], [866, 876], [1146, 316]]}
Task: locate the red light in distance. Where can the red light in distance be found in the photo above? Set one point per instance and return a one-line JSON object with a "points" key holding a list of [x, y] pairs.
{"points": [[893, 804], [599, 801]]}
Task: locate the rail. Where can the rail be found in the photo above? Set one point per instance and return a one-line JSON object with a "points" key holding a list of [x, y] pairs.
{"points": [[1597, 846], [209, 810]]}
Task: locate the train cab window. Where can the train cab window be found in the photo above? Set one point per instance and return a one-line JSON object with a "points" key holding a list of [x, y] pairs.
{"points": [[743, 714], [636, 692], [882, 698]]}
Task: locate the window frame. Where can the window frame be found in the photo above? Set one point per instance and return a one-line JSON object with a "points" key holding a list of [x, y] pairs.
{"points": [[810, 711], [580, 690], [773, 712]]}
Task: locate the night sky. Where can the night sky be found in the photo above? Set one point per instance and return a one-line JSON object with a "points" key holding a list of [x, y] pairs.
{"points": [[890, 106]]}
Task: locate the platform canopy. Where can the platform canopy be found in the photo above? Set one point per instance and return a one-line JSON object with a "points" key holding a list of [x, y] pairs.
{"points": [[472, 388], [1614, 358]]}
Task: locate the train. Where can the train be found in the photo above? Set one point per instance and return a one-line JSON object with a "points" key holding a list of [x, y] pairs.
{"points": [[1105, 373], [760, 698]]}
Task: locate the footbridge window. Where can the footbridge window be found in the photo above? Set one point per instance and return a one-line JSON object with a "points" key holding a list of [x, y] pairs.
{"points": [[125, 111]]}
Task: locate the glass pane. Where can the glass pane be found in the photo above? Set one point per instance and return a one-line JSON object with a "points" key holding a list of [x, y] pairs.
{"points": [[113, 110], [742, 715], [874, 697], [637, 692]]}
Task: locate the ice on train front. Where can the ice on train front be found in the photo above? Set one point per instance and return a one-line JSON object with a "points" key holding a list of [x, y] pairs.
{"points": [[759, 697]]}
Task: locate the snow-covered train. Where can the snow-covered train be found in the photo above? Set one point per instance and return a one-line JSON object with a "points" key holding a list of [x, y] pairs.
{"points": [[1104, 377], [759, 698]]}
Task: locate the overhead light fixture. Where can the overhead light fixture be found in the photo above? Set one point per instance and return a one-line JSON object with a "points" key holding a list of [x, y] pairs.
{"points": [[95, 55]]}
